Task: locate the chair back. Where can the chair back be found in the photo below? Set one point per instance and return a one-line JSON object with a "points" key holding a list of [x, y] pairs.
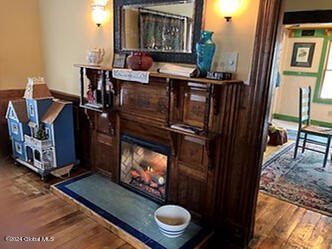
{"points": [[304, 106]]}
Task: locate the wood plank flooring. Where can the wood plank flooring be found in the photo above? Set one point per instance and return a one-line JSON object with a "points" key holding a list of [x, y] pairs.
{"points": [[28, 208], [280, 224]]}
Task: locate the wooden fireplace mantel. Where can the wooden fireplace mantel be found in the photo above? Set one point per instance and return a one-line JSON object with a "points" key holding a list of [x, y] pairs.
{"points": [[149, 110], [168, 76]]}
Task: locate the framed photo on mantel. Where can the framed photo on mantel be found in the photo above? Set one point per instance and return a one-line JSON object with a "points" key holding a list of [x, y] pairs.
{"points": [[303, 53], [119, 60]]}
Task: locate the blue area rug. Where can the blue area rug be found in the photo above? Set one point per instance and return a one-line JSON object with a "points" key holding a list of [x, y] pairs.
{"points": [[127, 210], [302, 181]]}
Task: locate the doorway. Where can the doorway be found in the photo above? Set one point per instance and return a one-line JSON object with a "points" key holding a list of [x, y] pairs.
{"points": [[29, 154]]}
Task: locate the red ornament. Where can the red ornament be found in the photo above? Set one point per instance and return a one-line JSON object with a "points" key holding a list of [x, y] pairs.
{"points": [[139, 61], [90, 96]]}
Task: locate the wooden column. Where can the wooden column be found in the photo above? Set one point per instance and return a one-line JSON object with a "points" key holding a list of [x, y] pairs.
{"points": [[244, 135]]}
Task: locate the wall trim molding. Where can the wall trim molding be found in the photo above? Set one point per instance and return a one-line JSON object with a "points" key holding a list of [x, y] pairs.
{"points": [[315, 16], [295, 119], [301, 74]]}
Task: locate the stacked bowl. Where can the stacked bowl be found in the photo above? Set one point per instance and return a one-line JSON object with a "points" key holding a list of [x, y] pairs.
{"points": [[172, 220]]}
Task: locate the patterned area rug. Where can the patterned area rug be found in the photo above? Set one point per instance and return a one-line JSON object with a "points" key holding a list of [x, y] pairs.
{"points": [[302, 181]]}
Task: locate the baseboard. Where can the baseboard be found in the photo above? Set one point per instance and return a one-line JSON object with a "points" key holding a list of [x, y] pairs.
{"points": [[296, 120]]}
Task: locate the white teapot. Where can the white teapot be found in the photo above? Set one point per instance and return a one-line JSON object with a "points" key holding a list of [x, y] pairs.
{"points": [[95, 56]]}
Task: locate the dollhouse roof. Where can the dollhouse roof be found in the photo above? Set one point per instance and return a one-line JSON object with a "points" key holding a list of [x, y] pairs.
{"points": [[20, 109], [36, 89], [54, 111]]}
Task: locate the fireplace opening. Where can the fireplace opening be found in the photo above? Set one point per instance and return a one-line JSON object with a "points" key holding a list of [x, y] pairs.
{"points": [[144, 167]]}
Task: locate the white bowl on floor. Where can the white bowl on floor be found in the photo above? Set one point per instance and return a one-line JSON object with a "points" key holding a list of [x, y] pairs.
{"points": [[172, 220]]}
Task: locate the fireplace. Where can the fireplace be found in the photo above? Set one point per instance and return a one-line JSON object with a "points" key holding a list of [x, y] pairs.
{"points": [[144, 167]]}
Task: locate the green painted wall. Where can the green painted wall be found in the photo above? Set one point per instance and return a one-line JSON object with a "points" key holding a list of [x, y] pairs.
{"points": [[296, 119], [319, 33]]}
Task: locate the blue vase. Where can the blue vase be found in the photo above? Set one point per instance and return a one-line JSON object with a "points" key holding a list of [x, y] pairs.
{"points": [[205, 49]]}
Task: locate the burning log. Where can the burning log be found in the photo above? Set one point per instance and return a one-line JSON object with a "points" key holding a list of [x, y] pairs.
{"points": [[157, 178], [134, 174], [142, 173], [147, 176]]}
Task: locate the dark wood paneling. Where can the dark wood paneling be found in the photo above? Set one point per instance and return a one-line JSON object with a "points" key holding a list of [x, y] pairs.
{"points": [[190, 192], [104, 155], [192, 151], [148, 101], [5, 97], [315, 16], [243, 139], [194, 106]]}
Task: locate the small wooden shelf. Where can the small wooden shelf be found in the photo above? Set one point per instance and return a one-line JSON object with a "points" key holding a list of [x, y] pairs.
{"points": [[209, 136], [91, 108]]}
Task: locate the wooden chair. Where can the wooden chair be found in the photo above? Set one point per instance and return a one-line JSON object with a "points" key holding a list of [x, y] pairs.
{"points": [[306, 128]]}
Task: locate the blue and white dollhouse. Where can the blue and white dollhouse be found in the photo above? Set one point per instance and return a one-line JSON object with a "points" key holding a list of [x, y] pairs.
{"points": [[41, 129]]}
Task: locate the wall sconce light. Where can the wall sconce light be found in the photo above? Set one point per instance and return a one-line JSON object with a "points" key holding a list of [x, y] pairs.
{"points": [[99, 13], [228, 8]]}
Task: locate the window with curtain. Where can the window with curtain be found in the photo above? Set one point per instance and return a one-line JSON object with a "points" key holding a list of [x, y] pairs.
{"points": [[326, 91]]}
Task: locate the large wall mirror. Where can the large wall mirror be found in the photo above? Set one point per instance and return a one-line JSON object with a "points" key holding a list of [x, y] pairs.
{"points": [[167, 29]]}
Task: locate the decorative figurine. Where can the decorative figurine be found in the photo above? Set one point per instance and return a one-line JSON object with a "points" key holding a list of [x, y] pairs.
{"points": [[41, 129], [95, 56]]}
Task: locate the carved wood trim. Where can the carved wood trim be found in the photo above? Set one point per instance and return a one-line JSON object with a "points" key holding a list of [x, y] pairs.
{"points": [[207, 109], [215, 99], [173, 141], [169, 100]]}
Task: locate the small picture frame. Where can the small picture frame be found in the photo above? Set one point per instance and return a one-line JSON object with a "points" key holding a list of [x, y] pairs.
{"points": [[303, 53], [119, 60]]}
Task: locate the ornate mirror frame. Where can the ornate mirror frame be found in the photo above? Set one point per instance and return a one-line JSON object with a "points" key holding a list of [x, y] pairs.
{"points": [[159, 56]]}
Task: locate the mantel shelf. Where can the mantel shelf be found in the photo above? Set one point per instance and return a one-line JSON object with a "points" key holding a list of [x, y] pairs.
{"points": [[169, 76], [208, 137]]}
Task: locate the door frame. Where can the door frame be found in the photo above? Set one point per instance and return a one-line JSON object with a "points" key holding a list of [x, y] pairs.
{"points": [[240, 171]]}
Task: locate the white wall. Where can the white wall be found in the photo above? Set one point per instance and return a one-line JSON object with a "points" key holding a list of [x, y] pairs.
{"points": [[67, 33], [20, 44]]}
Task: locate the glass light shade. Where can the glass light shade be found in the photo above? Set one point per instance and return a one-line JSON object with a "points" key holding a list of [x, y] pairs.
{"points": [[99, 14], [229, 7], [101, 2]]}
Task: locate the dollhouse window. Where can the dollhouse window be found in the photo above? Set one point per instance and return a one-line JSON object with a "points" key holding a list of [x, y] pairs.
{"points": [[14, 128], [47, 131], [37, 155], [18, 148], [12, 114], [32, 112]]}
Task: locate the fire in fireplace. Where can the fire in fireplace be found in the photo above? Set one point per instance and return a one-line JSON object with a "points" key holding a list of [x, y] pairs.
{"points": [[144, 167]]}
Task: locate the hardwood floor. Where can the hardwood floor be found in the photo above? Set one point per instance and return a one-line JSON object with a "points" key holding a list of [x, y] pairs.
{"points": [[28, 208], [280, 224]]}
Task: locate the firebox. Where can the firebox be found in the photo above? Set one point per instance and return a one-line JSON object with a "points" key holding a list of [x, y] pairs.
{"points": [[144, 167]]}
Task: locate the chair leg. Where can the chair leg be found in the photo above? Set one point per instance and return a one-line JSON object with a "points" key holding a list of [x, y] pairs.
{"points": [[305, 141], [327, 151], [297, 143]]}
